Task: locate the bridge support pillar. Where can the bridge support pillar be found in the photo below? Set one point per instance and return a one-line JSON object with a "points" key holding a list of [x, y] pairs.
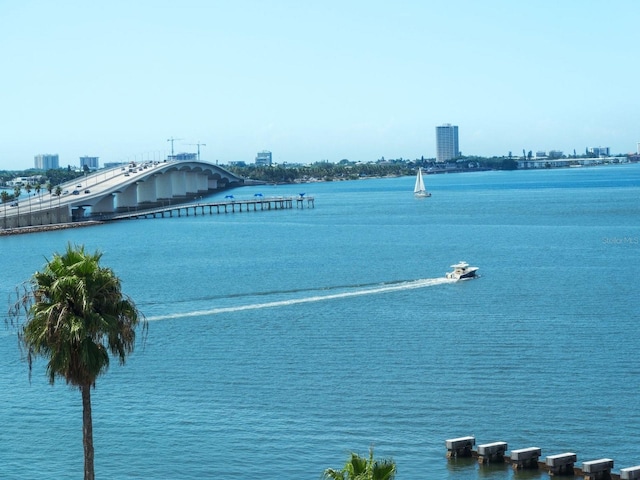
{"points": [[127, 199]]}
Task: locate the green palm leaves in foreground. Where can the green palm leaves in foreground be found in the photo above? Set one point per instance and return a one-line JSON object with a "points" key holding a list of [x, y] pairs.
{"points": [[76, 315], [360, 468]]}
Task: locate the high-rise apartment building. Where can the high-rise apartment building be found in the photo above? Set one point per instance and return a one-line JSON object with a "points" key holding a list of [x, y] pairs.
{"points": [[91, 162], [447, 142], [599, 151], [263, 158], [46, 161]]}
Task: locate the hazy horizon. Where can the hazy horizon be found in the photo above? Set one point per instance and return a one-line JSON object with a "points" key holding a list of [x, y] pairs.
{"points": [[310, 82]]}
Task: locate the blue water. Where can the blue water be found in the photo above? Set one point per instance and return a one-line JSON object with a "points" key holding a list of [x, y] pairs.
{"points": [[280, 341]]}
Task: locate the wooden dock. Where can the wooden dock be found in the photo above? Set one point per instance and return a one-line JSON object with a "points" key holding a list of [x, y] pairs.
{"points": [[218, 207]]}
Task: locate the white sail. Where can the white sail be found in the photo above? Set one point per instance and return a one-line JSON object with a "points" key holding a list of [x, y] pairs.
{"points": [[419, 182], [419, 190]]}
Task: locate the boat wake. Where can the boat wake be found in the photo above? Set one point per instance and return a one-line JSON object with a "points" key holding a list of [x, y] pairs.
{"points": [[380, 288]]}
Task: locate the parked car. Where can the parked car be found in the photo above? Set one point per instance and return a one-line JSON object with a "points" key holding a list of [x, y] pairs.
{"points": [[87, 191]]}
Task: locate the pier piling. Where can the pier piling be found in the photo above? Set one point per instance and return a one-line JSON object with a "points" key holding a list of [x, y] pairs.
{"points": [[597, 469], [491, 452], [561, 464], [630, 473], [529, 458], [525, 458], [460, 447]]}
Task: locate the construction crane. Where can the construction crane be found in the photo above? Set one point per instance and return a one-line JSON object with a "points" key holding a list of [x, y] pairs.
{"points": [[198, 144], [172, 140]]}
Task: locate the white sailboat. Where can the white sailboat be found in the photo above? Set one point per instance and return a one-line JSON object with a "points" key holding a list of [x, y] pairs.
{"points": [[419, 190]]}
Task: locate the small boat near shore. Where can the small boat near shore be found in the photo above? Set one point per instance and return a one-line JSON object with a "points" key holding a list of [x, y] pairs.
{"points": [[462, 271]]}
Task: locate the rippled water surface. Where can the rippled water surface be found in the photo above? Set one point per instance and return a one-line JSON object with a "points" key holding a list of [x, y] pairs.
{"points": [[280, 341]]}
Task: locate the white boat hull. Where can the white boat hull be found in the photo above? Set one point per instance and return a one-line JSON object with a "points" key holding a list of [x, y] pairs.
{"points": [[462, 271], [422, 194]]}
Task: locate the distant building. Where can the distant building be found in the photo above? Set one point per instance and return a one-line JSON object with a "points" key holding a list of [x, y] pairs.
{"points": [[447, 143], [22, 181], [113, 164], [90, 162], [599, 151], [182, 157], [46, 161], [541, 154], [555, 154], [263, 158]]}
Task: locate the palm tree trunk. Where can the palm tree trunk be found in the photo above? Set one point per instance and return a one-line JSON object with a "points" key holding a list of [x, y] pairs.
{"points": [[87, 432]]}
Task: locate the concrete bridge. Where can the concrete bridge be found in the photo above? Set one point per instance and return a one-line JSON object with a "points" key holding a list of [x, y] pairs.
{"points": [[108, 192]]}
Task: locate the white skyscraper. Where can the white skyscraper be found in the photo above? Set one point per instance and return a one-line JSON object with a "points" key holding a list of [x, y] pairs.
{"points": [[46, 161], [447, 142], [92, 163]]}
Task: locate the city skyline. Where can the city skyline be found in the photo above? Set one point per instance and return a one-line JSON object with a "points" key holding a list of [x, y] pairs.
{"points": [[356, 80]]}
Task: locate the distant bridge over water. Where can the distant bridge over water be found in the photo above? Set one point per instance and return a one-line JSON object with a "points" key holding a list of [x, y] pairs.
{"points": [[109, 192]]}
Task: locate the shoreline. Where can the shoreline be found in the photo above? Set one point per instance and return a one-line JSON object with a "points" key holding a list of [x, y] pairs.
{"points": [[47, 228]]}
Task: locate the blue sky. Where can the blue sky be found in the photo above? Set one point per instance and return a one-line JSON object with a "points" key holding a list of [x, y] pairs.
{"points": [[315, 80]]}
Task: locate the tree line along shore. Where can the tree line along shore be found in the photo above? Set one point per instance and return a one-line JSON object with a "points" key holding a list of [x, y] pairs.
{"points": [[318, 171]]}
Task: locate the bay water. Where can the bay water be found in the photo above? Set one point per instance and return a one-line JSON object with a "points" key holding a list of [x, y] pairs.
{"points": [[279, 341]]}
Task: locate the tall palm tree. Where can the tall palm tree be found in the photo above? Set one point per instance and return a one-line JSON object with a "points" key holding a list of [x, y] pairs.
{"points": [[58, 193], [360, 468], [16, 195], [38, 189], [5, 198], [75, 315], [49, 188], [28, 188]]}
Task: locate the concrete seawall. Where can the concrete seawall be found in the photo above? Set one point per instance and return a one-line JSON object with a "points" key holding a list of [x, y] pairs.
{"points": [[46, 228]]}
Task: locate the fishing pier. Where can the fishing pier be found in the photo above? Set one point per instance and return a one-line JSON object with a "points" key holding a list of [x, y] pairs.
{"points": [[229, 205]]}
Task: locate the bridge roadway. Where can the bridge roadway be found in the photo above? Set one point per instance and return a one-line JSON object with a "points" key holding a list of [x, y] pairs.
{"points": [[108, 192]]}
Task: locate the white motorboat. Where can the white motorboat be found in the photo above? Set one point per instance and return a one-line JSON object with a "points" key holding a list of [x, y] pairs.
{"points": [[419, 190], [462, 271]]}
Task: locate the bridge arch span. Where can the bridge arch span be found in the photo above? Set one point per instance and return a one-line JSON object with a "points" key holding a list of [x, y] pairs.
{"points": [[124, 188]]}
